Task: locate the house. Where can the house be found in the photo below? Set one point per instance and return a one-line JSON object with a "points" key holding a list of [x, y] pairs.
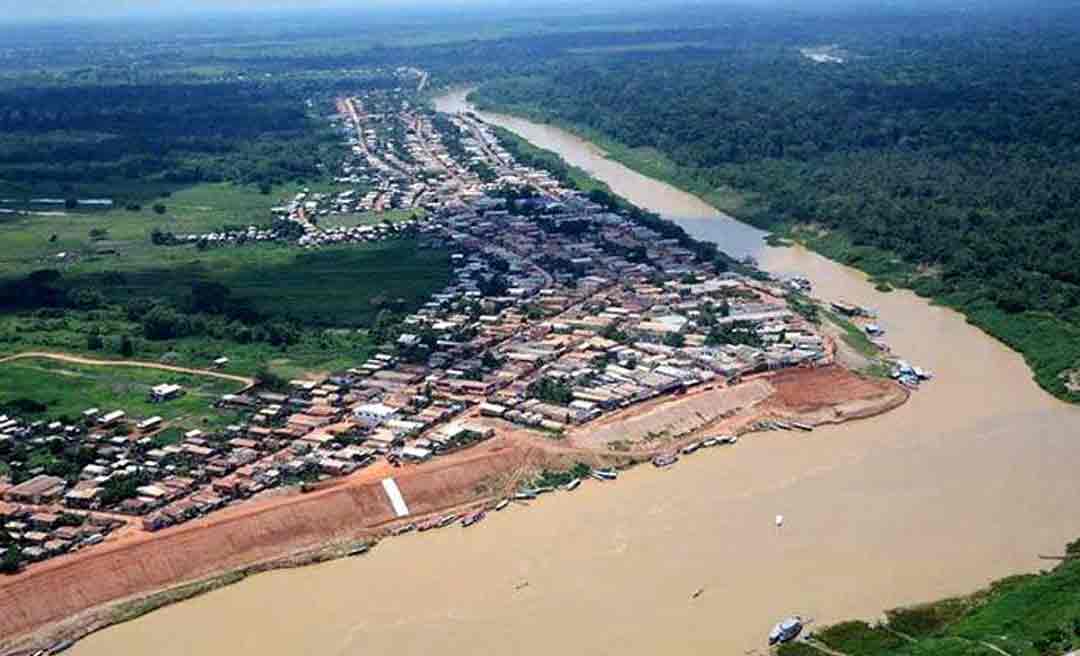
{"points": [[165, 392], [112, 418], [39, 489], [371, 415]]}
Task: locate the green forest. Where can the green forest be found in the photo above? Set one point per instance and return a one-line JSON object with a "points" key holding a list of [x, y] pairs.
{"points": [[946, 161]]}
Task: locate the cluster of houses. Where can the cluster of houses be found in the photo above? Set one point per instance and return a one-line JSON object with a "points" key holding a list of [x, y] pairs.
{"points": [[558, 312]]}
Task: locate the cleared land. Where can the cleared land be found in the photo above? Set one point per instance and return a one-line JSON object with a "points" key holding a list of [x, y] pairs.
{"points": [[68, 388]]}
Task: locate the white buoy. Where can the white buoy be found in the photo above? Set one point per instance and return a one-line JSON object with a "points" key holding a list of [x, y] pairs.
{"points": [[779, 521]]}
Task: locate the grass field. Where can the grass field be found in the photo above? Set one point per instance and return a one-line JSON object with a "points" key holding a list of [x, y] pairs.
{"points": [[68, 389], [29, 244]]}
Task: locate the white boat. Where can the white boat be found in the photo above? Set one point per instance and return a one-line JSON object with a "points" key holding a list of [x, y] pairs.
{"points": [[786, 631], [573, 485], [690, 448], [710, 442], [779, 521], [525, 494], [502, 504], [729, 439], [604, 474]]}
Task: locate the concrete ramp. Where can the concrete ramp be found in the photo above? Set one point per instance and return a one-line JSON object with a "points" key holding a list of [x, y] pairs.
{"points": [[396, 500]]}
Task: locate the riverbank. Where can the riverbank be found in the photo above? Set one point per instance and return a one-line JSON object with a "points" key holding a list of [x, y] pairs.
{"points": [[1050, 346], [71, 598], [1030, 614]]}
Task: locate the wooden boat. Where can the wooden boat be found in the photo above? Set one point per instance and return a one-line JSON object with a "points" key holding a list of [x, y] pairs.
{"points": [[604, 474], [473, 518], [665, 460]]}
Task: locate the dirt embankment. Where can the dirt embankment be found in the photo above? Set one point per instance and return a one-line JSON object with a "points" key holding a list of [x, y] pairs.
{"points": [[236, 538], [83, 588]]}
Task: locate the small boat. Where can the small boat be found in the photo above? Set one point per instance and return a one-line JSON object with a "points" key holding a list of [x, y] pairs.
{"points": [[524, 494], [447, 520], [428, 525], [782, 425], [710, 442], [502, 504], [604, 474], [473, 518], [402, 530], [786, 631], [544, 489], [359, 549], [690, 448], [779, 521], [801, 426], [573, 485], [61, 646], [665, 460], [729, 439], [922, 374]]}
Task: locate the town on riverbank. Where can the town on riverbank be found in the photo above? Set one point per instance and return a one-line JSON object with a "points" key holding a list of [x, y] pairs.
{"points": [[576, 335]]}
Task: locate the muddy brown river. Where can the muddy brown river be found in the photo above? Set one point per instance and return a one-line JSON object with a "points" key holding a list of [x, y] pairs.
{"points": [[968, 482]]}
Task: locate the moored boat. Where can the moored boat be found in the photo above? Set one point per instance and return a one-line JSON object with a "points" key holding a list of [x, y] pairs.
{"points": [[359, 549], [690, 448], [402, 530], [604, 474], [710, 442], [665, 460], [502, 504], [573, 485], [786, 631], [473, 518]]}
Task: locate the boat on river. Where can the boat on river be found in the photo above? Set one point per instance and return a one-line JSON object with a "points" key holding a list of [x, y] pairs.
{"points": [[665, 460], [573, 485], [690, 448], [604, 474], [786, 631], [473, 518], [502, 504]]}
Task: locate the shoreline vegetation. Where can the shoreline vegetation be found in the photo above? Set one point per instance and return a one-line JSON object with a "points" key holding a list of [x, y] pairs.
{"points": [[1049, 345], [1024, 615]]}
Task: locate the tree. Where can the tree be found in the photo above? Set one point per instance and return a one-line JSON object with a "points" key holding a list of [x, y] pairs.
{"points": [[159, 208], [127, 347], [12, 560], [71, 203], [94, 342]]}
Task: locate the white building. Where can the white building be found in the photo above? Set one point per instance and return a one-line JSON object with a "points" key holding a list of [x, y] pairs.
{"points": [[371, 415]]}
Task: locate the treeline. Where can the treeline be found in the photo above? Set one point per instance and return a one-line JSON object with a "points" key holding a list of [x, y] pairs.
{"points": [[209, 310], [950, 162], [171, 133]]}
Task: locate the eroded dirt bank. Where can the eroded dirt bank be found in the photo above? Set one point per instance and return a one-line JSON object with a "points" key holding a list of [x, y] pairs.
{"points": [[286, 531]]}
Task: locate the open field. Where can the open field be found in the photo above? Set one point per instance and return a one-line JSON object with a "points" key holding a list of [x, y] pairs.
{"points": [[66, 389], [29, 242]]}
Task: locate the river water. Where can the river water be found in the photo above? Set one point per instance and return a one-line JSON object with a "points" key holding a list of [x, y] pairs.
{"points": [[968, 482]]}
